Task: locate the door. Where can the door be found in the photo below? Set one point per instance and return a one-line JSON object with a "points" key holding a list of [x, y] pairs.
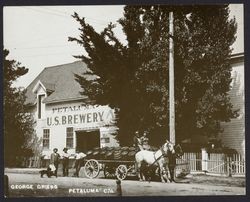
{"points": [[87, 140]]}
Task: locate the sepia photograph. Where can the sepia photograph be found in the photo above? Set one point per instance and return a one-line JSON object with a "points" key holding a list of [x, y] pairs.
{"points": [[124, 100]]}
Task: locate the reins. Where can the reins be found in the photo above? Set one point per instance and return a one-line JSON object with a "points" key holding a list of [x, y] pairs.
{"points": [[156, 160]]}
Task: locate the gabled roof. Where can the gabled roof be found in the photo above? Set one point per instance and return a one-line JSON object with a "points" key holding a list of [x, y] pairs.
{"points": [[60, 82]]}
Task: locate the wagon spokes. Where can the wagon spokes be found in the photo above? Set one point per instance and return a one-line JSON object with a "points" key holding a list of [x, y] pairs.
{"points": [[91, 168], [121, 172]]}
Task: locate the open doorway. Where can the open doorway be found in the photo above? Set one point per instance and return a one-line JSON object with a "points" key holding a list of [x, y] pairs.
{"points": [[87, 140]]}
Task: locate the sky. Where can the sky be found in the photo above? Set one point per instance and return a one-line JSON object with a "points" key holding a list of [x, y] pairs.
{"points": [[37, 36]]}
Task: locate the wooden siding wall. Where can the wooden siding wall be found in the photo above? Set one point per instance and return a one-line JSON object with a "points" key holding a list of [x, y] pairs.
{"points": [[233, 135]]}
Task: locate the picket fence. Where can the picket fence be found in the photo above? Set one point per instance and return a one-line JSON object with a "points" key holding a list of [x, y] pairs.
{"points": [[214, 163]]}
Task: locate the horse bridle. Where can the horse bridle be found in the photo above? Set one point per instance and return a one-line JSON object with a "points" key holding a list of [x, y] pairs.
{"points": [[164, 154]]}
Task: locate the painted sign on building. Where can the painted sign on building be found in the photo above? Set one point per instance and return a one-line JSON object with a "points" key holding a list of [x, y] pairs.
{"points": [[80, 115]]}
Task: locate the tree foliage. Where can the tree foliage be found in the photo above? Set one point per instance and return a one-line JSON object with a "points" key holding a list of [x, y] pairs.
{"points": [[134, 77], [18, 123]]}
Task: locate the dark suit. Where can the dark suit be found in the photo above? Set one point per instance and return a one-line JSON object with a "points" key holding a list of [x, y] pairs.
{"points": [[55, 159], [171, 165]]}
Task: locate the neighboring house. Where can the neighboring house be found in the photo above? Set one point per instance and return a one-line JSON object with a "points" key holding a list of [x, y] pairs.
{"points": [[233, 135], [63, 119]]}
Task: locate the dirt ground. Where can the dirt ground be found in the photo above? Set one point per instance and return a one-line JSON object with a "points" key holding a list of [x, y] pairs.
{"points": [[80, 187], [216, 180]]}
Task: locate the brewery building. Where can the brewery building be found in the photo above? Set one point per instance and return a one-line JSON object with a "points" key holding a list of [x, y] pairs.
{"points": [[63, 119]]}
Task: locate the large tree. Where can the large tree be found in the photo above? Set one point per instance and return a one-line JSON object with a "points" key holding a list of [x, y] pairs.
{"points": [[18, 123], [134, 77]]}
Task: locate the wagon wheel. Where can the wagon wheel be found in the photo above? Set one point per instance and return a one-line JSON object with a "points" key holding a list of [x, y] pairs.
{"points": [[109, 171], [91, 168], [121, 172]]}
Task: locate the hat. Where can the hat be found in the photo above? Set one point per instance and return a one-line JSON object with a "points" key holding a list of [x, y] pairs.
{"points": [[65, 149], [55, 149], [137, 132]]}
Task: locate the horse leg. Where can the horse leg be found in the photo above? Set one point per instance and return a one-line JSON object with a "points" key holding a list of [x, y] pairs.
{"points": [[166, 174], [138, 170], [142, 169], [163, 174], [172, 173]]}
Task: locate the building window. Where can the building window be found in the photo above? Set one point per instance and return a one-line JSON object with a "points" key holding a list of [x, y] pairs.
{"points": [[105, 140], [46, 138], [40, 99], [69, 137]]}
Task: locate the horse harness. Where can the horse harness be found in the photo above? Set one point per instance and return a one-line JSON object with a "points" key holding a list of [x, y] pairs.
{"points": [[162, 155]]}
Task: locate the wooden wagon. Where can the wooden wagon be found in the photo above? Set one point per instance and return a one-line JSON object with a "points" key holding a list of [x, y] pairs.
{"points": [[113, 161]]}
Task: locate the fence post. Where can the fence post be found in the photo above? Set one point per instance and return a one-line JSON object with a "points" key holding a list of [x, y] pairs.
{"points": [[204, 160], [229, 163]]}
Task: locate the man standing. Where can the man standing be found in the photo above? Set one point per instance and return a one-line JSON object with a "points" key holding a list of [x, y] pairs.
{"points": [[54, 159], [171, 166], [65, 162], [137, 142], [78, 163], [144, 140]]}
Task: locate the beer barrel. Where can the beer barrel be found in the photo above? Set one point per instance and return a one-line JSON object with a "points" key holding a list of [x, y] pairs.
{"points": [[124, 148], [117, 154], [96, 153], [124, 155], [109, 154], [124, 152], [110, 148], [89, 152], [132, 153], [103, 152], [131, 148]]}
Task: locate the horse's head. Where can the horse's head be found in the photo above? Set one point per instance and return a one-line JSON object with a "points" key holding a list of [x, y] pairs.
{"points": [[178, 151], [168, 147]]}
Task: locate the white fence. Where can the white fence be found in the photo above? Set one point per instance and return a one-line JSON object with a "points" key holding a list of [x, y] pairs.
{"points": [[215, 163]]}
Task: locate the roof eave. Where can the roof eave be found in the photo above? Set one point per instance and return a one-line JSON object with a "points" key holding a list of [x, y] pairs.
{"points": [[65, 100]]}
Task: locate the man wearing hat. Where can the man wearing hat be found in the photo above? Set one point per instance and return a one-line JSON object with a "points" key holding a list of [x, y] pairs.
{"points": [[144, 140], [137, 141], [54, 159], [65, 162]]}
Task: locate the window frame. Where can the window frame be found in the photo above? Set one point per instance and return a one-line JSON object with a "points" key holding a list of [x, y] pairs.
{"points": [[70, 137], [46, 138]]}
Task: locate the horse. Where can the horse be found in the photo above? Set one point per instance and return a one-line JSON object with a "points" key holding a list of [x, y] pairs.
{"points": [[151, 158]]}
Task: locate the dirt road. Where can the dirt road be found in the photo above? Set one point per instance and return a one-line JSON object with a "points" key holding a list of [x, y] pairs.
{"points": [[34, 186]]}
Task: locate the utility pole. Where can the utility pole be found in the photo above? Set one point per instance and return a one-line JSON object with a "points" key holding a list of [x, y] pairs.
{"points": [[171, 80]]}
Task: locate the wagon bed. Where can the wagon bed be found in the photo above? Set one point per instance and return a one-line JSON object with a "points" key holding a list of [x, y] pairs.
{"points": [[114, 162]]}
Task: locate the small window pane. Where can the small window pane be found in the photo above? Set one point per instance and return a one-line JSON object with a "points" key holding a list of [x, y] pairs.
{"points": [[69, 137], [46, 136]]}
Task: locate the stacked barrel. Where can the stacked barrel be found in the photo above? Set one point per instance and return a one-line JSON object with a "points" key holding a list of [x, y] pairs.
{"points": [[112, 153]]}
